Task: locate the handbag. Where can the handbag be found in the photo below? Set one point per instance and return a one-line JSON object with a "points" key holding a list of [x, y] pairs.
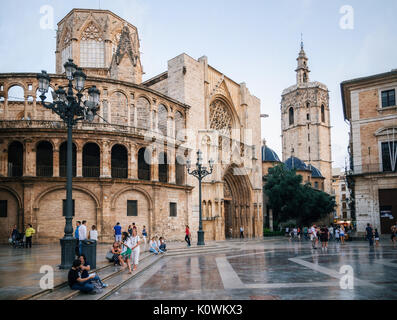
{"points": [[109, 255]]}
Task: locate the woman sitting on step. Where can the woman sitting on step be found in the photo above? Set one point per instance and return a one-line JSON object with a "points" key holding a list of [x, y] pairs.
{"points": [[154, 247], [85, 267]]}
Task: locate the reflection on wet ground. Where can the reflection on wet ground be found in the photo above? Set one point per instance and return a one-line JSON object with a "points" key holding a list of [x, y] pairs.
{"points": [[271, 270]]}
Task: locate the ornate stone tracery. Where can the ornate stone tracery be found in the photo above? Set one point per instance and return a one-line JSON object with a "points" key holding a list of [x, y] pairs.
{"points": [[220, 118], [91, 32]]}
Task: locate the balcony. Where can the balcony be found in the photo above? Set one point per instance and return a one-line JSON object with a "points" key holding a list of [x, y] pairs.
{"points": [[121, 173], [373, 168]]}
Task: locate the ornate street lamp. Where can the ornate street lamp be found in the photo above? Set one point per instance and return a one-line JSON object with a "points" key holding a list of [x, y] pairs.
{"points": [[71, 109], [200, 173]]}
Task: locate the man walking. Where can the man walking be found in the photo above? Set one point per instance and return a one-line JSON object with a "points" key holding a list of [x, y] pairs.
{"points": [[76, 236], [370, 234], [29, 232], [241, 232], [82, 235], [117, 232]]}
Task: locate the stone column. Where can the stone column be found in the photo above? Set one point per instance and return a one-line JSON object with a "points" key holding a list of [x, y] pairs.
{"points": [[55, 162], [171, 165], [154, 167], [155, 211], [133, 165], [105, 161], [79, 161], [29, 158]]}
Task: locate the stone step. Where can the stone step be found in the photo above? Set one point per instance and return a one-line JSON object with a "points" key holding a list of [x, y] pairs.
{"points": [[118, 281], [208, 251], [105, 273]]}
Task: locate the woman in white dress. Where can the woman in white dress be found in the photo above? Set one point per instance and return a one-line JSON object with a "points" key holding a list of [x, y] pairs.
{"points": [[135, 241]]}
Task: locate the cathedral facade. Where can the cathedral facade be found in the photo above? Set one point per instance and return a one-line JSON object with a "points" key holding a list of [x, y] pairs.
{"points": [[305, 122], [129, 165]]}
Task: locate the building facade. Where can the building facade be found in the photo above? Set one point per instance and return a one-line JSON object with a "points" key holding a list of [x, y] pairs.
{"points": [[305, 122], [342, 196], [369, 105], [130, 163]]}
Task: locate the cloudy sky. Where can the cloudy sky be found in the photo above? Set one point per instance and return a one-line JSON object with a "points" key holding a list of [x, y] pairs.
{"points": [[252, 41]]}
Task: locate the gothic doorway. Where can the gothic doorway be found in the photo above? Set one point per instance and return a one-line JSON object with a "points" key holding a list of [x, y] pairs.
{"points": [[237, 204]]}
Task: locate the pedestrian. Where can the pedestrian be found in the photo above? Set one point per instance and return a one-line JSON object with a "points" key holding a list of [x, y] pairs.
{"points": [[295, 235], [162, 244], [342, 234], [376, 235], [337, 238], [14, 234], [85, 267], [153, 247], [76, 282], [231, 232], [313, 236], [324, 237], [130, 230], [305, 232], [331, 232], [144, 235], [187, 235], [286, 231], [82, 235], [241, 232], [76, 236], [117, 232], [134, 226], [370, 234], [126, 250], [116, 251], [93, 233], [135, 249], [29, 232], [393, 235]]}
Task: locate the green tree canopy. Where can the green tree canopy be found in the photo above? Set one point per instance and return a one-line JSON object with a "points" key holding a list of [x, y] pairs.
{"points": [[289, 199]]}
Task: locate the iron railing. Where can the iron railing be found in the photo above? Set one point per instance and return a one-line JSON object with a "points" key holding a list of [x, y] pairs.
{"points": [[121, 173], [62, 171], [44, 171], [14, 171], [91, 172]]}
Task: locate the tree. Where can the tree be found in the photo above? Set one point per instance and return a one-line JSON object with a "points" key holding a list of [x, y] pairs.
{"points": [[289, 199]]}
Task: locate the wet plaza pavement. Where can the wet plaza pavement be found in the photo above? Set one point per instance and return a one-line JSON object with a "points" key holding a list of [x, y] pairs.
{"points": [[271, 269]]}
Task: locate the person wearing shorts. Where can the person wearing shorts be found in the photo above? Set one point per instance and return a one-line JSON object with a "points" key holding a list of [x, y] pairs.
{"points": [[324, 237], [126, 249]]}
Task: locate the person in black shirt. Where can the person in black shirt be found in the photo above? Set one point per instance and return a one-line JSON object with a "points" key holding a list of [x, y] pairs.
{"points": [[370, 235], [85, 267], [76, 282]]}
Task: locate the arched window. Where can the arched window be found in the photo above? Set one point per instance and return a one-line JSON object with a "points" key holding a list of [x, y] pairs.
{"points": [[63, 159], [91, 160], [163, 115], [119, 108], [291, 116], [15, 159], [180, 170], [144, 160], [163, 167], [143, 113], [16, 93], [92, 48], [179, 126], [322, 113], [119, 162], [305, 77], [44, 159]]}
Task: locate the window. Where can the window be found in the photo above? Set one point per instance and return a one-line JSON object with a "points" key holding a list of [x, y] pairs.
{"points": [[132, 208], [343, 187], [173, 210], [92, 54], [291, 116], [64, 207], [308, 137], [389, 150], [322, 113], [316, 185], [343, 197], [388, 98], [44, 159], [3, 208], [344, 205], [307, 116]]}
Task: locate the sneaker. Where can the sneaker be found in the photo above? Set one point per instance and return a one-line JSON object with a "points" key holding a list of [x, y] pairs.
{"points": [[104, 285]]}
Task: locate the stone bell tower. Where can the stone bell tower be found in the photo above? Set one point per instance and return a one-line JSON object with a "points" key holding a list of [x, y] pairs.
{"points": [[305, 121]]}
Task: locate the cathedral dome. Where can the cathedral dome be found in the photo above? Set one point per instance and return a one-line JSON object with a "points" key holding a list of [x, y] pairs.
{"points": [[315, 172], [294, 163], [269, 155]]}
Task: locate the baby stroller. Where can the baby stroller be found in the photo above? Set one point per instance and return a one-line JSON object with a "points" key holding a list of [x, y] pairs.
{"points": [[19, 241]]}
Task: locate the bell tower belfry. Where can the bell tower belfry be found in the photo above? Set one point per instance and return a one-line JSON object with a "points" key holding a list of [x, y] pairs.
{"points": [[305, 121]]}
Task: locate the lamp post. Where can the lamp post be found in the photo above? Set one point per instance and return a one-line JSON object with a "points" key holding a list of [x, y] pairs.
{"points": [[70, 108], [200, 173]]}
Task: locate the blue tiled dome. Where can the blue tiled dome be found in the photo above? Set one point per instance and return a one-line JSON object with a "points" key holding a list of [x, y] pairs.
{"points": [[315, 172], [269, 155], [295, 163]]}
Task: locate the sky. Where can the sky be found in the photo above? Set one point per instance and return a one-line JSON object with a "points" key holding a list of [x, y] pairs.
{"points": [[251, 41]]}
